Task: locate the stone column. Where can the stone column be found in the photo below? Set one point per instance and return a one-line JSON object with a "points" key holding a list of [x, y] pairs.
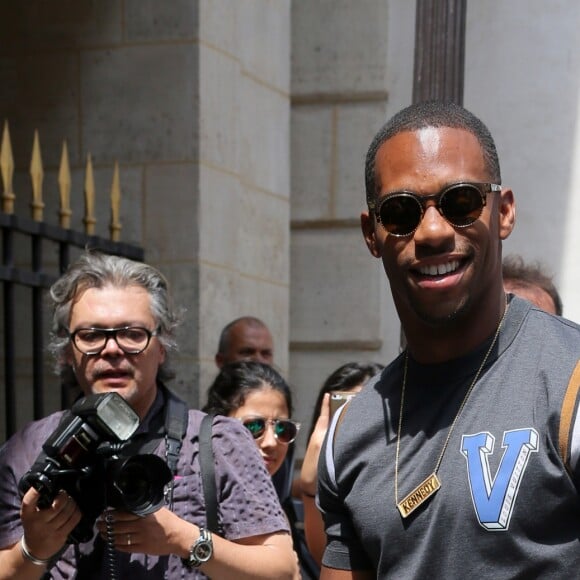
{"points": [[439, 50]]}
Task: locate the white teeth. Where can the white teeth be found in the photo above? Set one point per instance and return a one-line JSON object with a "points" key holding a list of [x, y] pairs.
{"points": [[439, 269]]}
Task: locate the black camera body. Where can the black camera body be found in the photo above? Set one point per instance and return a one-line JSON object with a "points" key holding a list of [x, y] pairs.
{"points": [[84, 457]]}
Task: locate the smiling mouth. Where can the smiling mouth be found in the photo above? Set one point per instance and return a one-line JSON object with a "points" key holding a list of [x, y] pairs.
{"points": [[439, 269]]}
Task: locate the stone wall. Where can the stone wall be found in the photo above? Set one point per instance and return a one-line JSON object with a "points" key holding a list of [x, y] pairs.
{"points": [[241, 129], [192, 99], [351, 69]]}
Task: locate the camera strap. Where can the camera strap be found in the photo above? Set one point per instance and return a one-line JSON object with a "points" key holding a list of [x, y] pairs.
{"points": [[172, 429], [175, 426], [176, 417]]}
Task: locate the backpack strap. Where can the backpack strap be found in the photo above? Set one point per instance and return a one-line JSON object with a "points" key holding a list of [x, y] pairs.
{"points": [[567, 417], [206, 465]]}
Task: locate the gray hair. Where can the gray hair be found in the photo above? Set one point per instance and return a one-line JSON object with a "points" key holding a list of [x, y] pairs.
{"points": [[96, 270]]}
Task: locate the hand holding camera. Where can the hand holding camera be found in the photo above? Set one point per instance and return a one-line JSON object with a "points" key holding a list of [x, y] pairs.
{"points": [[128, 532], [84, 457], [46, 530]]}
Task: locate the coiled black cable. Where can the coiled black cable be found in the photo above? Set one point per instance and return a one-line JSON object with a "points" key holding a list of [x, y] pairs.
{"points": [[111, 554]]}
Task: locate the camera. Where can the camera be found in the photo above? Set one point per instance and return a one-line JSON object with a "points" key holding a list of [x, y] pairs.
{"points": [[84, 457]]}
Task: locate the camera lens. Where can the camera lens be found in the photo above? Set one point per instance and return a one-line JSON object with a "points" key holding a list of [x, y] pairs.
{"points": [[137, 484], [132, 484]]}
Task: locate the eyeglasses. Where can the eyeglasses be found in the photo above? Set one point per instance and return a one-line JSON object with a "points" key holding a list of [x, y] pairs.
{"points": [[461, 204], [130, 339], [285, 430]]}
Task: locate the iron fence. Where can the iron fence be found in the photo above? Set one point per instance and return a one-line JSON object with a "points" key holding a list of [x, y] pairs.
{"points": [[34, 253]]}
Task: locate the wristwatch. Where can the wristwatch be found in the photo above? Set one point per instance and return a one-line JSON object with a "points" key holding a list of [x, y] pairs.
{"points": [[201, 550]]}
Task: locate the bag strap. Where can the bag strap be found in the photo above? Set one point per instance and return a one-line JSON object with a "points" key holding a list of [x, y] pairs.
{"points": [[206, 465], [567, 416]]}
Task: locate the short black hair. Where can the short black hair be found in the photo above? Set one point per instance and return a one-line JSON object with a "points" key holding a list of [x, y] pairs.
{"points": [[431, 114], [531, 275], [224, 339]]}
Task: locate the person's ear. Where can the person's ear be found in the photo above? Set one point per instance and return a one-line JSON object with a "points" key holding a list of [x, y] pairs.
{"points": [[219, 360], [367, 224], [162, 354], [67, 356], [507, 213]]}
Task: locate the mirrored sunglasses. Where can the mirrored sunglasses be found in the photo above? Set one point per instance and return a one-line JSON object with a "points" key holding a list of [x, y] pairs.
{"points": [[460, 204], [285, 430]]}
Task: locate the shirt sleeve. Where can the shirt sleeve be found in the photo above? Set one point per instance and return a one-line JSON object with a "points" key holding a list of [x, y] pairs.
{"points": [[248, 503], [344, 550], [16, 457], [10, 526]]}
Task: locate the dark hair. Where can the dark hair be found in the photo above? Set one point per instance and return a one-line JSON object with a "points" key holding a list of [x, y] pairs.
{"points": [[530, 276], [431, 114], [236, 380], [224, 339], [94, 269], [344, 378]]}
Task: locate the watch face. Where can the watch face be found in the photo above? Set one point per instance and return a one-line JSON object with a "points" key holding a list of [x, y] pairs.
{"points": [[203, 551]]}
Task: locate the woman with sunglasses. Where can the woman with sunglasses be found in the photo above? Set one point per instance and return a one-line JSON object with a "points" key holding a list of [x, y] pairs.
{"points": [[258, 396]]}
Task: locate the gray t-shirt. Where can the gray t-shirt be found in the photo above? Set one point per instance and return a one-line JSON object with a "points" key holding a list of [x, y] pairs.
{"points": [[248, 503], [507, 507]]}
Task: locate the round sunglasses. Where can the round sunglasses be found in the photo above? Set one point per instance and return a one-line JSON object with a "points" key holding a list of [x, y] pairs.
{"points": [[285, 430], [460, 204]]}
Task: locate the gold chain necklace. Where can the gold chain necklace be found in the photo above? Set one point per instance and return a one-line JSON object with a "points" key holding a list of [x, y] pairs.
{"points": [[431, 484]]}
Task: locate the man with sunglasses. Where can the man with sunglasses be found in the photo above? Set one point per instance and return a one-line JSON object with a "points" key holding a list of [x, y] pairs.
{"points": [[461, 459], [113, 332]]}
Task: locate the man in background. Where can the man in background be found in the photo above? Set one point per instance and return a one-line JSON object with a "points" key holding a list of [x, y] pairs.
{"points": [[245, 338], [529, 281]]}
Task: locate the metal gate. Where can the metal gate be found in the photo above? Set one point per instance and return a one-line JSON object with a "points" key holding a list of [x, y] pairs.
{"points": [[34, 254]]}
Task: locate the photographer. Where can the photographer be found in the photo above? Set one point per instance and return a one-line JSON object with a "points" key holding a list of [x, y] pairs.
{"points": [[112, 332]]}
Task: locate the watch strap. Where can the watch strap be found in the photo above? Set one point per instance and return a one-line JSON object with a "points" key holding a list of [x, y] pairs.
{"points": [[201, 550]]}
